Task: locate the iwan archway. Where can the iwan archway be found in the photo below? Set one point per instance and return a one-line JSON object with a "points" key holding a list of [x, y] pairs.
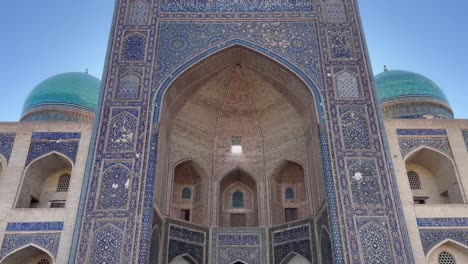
{"points": [[247, 122]]}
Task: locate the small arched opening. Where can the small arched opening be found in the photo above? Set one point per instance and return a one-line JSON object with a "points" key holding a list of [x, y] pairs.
{"points": [[238, 207], [288, 191], [185, 259], [294, 258], [30, 254], [188, 193], [45, 182], [448, 252], [432, 177]]}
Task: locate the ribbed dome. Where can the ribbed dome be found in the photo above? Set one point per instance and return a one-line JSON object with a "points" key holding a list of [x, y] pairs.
{"points": [[404, 94], [69, 96]]}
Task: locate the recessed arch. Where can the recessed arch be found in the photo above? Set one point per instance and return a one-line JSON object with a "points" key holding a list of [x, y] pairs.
{"points": [[28, 254], [440, 182], [40, 179], [183, 259], [238, 181], [458, 250], [295, 258]]}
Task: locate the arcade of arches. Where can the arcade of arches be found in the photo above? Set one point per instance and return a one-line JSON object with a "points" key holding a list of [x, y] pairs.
{"points": [[238, 97]]}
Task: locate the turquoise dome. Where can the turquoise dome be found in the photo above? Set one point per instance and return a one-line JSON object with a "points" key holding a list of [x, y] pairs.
{"points": [[72, 93], [404, 94]]}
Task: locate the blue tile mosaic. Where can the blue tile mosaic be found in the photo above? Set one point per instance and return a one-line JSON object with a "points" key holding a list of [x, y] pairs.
{"points": [[340, 43], [232, 244], [375, 241], [302, 248], [6, 144], [354, 127], [238, 240], [440, 222], [408, 144], [34, 226], [47, 241], [235, 6], [432, 237], [115, 185], [291, 234], [421, 132], [334, 11], [43, 143], [107, 243], [134, 48], [186, 234], [365, 185], [178, 248], [123, 130], [326, 247], [129, 87]]}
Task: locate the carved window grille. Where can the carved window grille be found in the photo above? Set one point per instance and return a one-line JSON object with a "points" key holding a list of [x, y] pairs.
{"points": [[414, 181], [63, 182], [186, 193], [289, 193], [446, 258], [43, 261], [238, 199]]}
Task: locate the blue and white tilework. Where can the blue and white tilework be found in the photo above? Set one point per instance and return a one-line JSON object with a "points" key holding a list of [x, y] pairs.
{"points": [[129, 87], [163, 49], [235, 6], [340, 43], [365, 185], [138, 12], [107, 243], [347, 85], [354, 127], [47, 241], [233, 244], [115, 184], [43, 143], [421, 132], [334, 11], [326, 247], [34, 226], [375, 241], [123, 130], [441, 222], [292, 240], [465, 137], [134, 47], [183, 240], [6, 144], [432, 237], [408, 144]]}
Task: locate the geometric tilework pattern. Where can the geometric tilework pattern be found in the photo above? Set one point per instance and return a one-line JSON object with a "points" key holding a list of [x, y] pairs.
{"points": [[432, 237], [334, 11], [138, 14], [354, 127], [48, 241], [347, 85], [339, 41], [376, 243], [6, 144], [231, 244], [292, 240], [186, 241], [34, 226], [296, 41], [107, 242], [64, 143], [123, 131], [134, 48], [235, 6], [439, 222], [408, 144], [129, 87], [114, 188], [365, 185], [465, 137]]}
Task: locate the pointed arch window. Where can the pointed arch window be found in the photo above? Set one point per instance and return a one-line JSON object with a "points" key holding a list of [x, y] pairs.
{"points": [[446, 258], [289, 193], [414, 181], [187, 193], [238, 199]]}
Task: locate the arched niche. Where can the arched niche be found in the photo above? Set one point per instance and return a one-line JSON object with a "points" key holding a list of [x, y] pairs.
{"points": [[238, 201], [288, 192], [30, 254], [185, 259], [189, 195], [438, 178], [281, 117], [294, 258], [446, 251], [41, 179]]}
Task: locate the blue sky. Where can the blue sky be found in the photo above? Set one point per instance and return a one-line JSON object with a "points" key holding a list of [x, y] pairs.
{"points": [[46, 37]]}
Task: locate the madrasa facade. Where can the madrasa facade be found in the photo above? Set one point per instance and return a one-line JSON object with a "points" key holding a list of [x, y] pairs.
{"points": [[235, 132]]}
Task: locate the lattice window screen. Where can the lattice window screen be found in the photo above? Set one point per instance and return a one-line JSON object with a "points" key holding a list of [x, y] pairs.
{"points": [[187, 193], [43, 261], [446, 258], [289, 193], [238, 199], [63, 182], [414, 180]]}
